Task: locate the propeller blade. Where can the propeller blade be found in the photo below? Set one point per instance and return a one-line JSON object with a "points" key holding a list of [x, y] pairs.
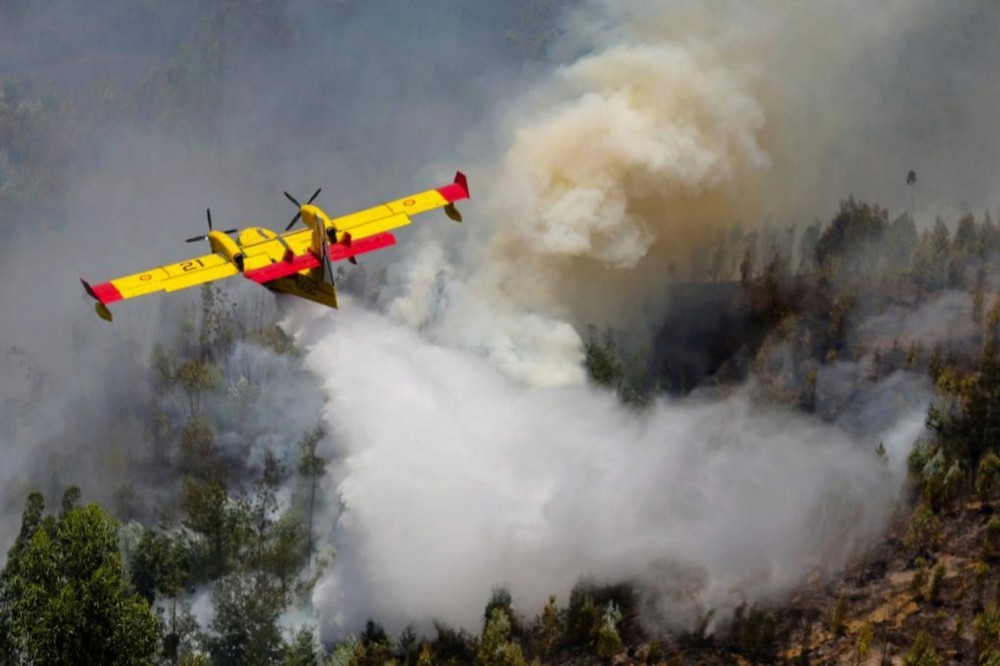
{"points": [[208, 214], [296, 202], [196, 239]]}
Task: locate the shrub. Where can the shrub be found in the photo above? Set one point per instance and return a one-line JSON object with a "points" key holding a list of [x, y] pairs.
{"points": [[499, 598], [922, 653], [986, 625], [655, 653], [759, 641], [924, 530], [863, 645], [497, 647], [582, 614], [937, 580], [919, 578], [988, 476], [551, 626], [609, 642], [839, 620], [991, 539], [980, 570]]}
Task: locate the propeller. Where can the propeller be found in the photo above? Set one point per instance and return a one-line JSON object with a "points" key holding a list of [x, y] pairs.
{"points": [[299, 206], [208, 214]]}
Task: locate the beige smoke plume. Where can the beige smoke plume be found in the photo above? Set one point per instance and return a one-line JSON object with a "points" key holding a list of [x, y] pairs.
{"points": [[633, 159], [679, 120], [648, 143], [618, 165]]}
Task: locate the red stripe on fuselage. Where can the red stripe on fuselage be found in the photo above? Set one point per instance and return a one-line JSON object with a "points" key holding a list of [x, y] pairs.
{"points": [[336, 252], [282, 268], [348, 249]]}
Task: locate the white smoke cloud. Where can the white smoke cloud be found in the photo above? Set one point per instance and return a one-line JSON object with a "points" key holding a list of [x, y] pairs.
{"points": [[455, 478], [471, 454]]}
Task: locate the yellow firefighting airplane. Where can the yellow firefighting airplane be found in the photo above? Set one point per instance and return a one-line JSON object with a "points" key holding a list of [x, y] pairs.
{"points": [[294, 262]]}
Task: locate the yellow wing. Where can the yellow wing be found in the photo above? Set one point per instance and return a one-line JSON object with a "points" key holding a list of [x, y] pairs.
{"points": [[164, 278], [366, 223], [394, 214]]}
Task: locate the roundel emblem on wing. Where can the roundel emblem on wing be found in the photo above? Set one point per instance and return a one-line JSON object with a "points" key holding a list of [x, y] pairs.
{"points": [[146, 278], [409, 202]]}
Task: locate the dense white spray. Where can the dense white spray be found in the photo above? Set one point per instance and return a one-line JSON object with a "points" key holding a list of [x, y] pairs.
{"points": [[455, 478]]}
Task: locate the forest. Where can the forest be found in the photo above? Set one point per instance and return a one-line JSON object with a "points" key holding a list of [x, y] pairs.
{"points": [[216, 532], [224, 524]]}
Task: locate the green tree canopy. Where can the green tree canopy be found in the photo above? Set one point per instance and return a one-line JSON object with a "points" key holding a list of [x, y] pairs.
{"points": [[245, 626], [853, 237], [971, 427], [64, 593]]}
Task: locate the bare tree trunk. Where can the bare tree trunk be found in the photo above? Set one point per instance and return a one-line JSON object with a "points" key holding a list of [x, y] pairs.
{"points": [[309, 534]]}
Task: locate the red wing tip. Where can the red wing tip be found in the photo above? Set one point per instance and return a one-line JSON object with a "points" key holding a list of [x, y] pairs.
{"points": [[108, 291], [104, 293], [462, 182], [456, 190]]}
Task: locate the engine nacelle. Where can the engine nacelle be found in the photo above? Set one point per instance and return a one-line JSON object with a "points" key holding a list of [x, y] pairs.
{"points": [[314, 218], [221, 242]]}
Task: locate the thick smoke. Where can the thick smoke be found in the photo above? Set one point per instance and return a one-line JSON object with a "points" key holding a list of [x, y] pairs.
{"points": [[455, 478], [672, 121], [667, 123]]}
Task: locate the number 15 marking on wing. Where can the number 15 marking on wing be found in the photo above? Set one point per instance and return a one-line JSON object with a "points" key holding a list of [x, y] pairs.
{"points": [[192, 265]]}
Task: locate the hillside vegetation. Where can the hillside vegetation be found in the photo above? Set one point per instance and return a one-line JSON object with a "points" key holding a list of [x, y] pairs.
{"points": [[213, 514], [216, 450]]}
